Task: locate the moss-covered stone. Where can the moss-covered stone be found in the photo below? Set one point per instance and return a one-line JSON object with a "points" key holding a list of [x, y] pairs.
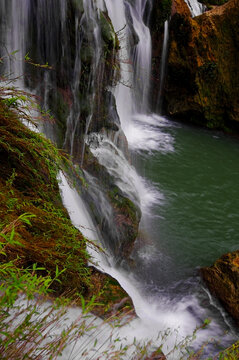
{"points": [[28, 184], [120, 229], [107, 31]]}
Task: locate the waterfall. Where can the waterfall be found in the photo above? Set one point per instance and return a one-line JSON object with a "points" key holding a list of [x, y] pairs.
{"points": [[13, 26], [140, 54], [74, 53], [195, 7], [144, 131], [91, 31], [135, 57], [163, 64], [94, 114]]}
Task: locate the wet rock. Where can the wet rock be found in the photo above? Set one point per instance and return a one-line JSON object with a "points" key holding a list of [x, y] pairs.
{"points": [[160, 12], [115, 216], [202, 66], [113, 300], [222, 280], [107, 31], [203, 76]]}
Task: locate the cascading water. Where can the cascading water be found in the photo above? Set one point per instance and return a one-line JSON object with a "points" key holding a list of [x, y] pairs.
{"points": [[75, 51], [195, 7], [13, 42], [89, 22], [163, 64], [132, 92], [140, 54]]}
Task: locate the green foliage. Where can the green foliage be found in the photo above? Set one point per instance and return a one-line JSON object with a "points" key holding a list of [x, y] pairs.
{"points": [[31, 62]]}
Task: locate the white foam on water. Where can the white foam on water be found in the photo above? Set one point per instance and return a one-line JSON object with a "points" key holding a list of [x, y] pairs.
{"points": [[124, 174], [149, 133]]}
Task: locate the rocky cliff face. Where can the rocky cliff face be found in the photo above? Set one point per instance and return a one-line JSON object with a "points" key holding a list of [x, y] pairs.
{"points": [[203, 77]]}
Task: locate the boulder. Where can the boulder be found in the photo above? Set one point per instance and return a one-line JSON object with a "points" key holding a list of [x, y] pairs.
{"points": [[222, 280]]}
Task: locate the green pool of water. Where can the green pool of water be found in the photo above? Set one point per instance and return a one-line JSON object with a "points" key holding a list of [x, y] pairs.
{"points": [[198, 219]]}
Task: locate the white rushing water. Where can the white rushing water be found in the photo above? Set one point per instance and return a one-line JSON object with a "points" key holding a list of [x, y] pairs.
{"points": [[143, 131], [135, 61], [163, 322], [89, 22], [163, 64], [195, 7]]}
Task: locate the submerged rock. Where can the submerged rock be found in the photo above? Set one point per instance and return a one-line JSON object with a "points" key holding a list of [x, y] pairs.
{"points": [[223, 281]]}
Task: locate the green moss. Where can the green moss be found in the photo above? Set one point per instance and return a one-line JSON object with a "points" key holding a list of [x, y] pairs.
{"points": [[87, 54], [29, 167], [125, 205], [107, 31]]}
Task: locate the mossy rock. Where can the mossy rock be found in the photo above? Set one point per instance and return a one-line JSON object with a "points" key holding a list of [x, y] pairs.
{"points": [[107, 31], [120, 230], [28, 184], [87, 53]]}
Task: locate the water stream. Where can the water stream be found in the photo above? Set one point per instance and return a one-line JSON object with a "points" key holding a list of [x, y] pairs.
{"points": [[196, 8], [163, 65]]}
